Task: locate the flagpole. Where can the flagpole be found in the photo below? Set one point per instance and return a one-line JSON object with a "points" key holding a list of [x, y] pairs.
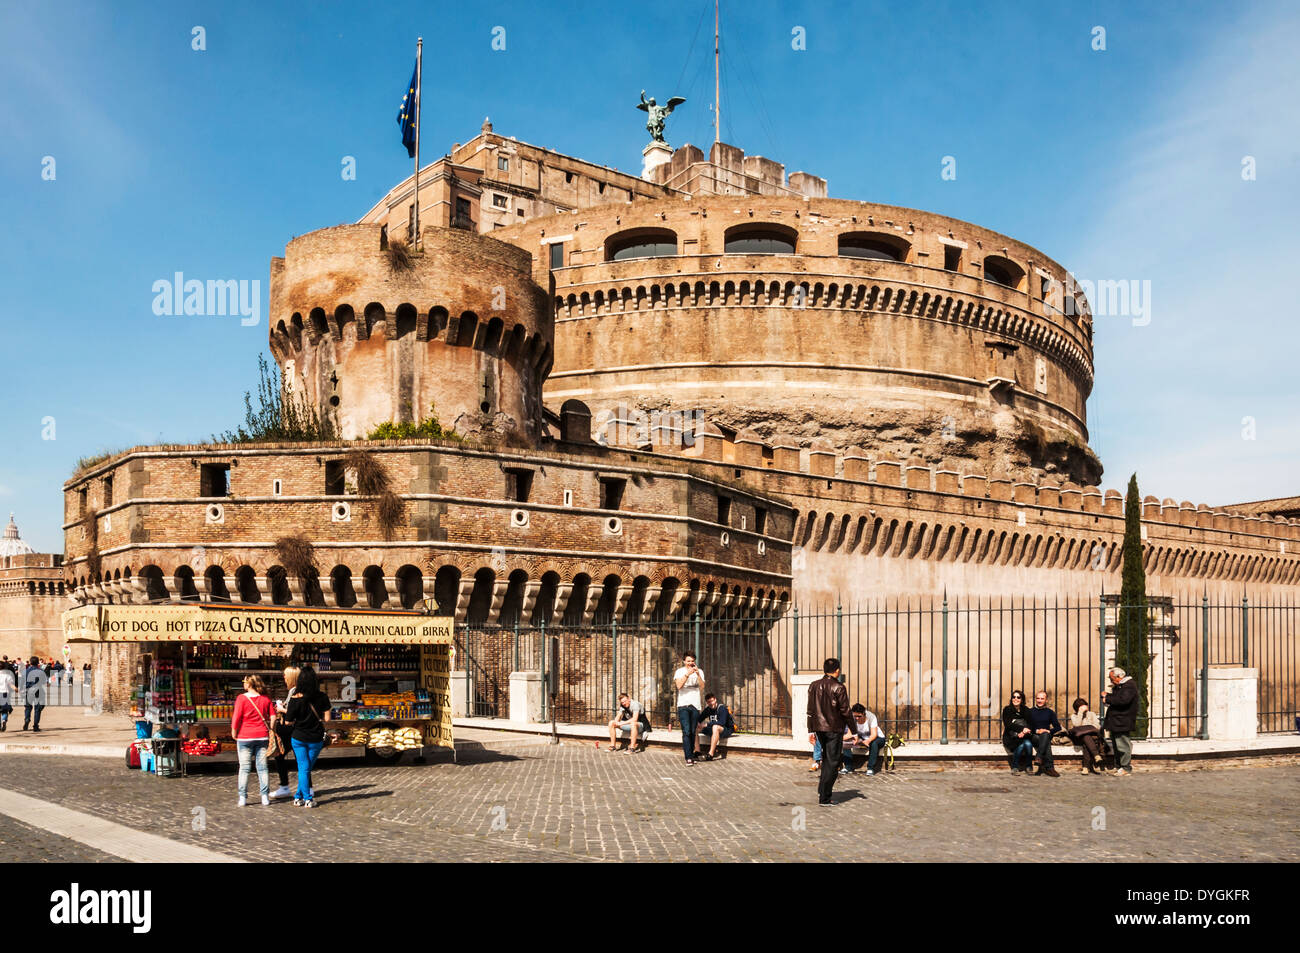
{"points": [[419, 78]]}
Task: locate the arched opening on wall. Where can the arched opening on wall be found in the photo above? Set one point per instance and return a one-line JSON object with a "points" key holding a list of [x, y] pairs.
{"points": [[667, 596], [437, 321], [877, 245], [246, 585], [1004, 271], [374, 315], [512, 606], [343, 316], [345, 595], [278, 582], [492, 339], [608, 598], [216, 579], [372, 578], [641, 243], [466, 329], [544, 607], [318, 326], [410, 587], [184, 583], [480, 599], [577, 607], [405, 320], [312, 593], [636, 601], [446, 589], [761, 238]]}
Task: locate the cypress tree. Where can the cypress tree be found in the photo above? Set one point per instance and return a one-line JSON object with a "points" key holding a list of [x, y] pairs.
{"points": [[1131, 644]]}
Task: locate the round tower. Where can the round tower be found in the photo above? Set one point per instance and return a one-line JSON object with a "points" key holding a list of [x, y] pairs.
{"points": [[375, 332]]}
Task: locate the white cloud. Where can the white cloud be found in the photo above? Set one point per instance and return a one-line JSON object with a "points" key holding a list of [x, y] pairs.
{"points": [[1221, 254]]}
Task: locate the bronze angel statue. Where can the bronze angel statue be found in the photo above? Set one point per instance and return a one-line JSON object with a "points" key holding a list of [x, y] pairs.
{"points": [[655, 124]]}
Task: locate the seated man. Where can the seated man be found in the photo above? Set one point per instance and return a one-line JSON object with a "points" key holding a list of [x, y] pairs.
{"points": [[629, 716], [863, 733], [716, 723], [1042, 725]]}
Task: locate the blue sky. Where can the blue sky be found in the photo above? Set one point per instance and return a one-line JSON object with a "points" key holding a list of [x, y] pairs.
{"points": [[1123, 164]]}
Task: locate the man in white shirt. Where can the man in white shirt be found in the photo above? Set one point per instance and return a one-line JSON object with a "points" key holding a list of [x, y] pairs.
{"points": [[863, 732], [690, 702], [8, 689]]}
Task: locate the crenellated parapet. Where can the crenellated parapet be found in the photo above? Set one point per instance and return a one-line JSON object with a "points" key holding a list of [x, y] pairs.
{"points": [[371, 335], [894, 329], [851, 504]]}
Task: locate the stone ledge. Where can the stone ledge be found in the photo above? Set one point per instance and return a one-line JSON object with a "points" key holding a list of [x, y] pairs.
{"points": [[1179, 749]]}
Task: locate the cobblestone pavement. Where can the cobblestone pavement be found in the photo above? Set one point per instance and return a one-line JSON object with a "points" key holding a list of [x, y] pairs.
{"points": [[519, 800]]}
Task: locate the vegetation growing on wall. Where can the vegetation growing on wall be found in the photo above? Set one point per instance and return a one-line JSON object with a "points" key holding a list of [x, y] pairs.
{"points": [[281, 414], [373, 480]]}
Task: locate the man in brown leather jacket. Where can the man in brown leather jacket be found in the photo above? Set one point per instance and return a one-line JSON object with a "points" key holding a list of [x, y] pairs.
{"points": [[828, 715]]}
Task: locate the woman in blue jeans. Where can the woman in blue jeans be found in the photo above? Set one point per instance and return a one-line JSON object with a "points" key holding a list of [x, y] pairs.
{"points": [[1016, 736], [307, 711]]}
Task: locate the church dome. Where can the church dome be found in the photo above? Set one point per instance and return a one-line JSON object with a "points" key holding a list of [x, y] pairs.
{"points": [[12, 544]]}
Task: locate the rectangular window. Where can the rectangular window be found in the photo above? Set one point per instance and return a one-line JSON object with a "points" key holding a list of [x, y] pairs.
{"points": [[519, 484], [462, 218], [503, 163], [498, 200], [1044, 285], [557, 254], [952, 258], [334, 478], [724, 510], [108, 491], [81, 501], [611, 493], [760, 520], [410, 222], [214, 479]]}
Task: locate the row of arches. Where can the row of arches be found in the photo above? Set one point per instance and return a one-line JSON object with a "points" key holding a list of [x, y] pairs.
{"points": [[978, 314], [909, 539], [493, 336], [484, 596], [33, 587]]}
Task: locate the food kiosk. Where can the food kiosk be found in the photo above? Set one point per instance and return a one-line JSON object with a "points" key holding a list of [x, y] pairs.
{"points": [[387, 673]]}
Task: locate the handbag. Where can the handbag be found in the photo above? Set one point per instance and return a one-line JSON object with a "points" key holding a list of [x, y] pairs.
{"points": [[274, 744]]}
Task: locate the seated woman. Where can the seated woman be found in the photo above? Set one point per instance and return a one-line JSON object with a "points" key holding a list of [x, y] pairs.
{"points": [[1085, 731], [1016, 734]]}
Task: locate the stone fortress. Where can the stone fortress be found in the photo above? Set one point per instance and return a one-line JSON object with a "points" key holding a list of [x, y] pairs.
{"points": [[33, 596], [710, 389]]}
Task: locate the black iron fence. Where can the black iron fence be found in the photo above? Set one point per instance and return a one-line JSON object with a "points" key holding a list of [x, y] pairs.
{"points": [[939, 669]]}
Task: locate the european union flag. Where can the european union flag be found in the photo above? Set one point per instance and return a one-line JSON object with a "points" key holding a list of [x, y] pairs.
{"points": [[406, 114]]}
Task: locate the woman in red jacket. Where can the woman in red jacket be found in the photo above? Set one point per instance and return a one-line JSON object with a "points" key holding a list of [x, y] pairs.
{"points": [[250, 726]]}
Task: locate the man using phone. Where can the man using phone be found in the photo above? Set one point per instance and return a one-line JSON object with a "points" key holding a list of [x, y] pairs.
{"points": [[690, 702]]}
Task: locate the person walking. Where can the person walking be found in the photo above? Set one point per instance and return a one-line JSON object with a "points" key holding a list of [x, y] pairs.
{"points": [[35, 685], [1121, 718], [829, 715], [284, 733], [307, 711], [690, 686], [250, 726], [8, 689]]}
